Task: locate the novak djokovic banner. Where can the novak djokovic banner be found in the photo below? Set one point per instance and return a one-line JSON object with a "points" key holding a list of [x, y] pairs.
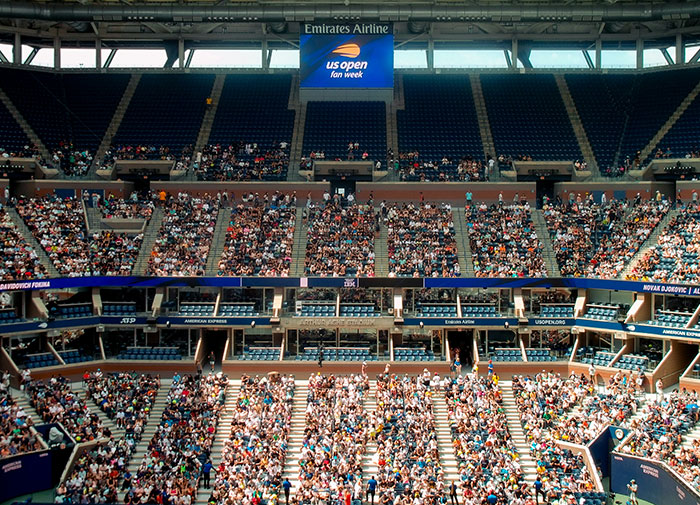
{"points": [[354, 55]]}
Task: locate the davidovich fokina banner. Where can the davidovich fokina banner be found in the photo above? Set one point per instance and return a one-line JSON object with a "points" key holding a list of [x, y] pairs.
{"points": [[354, 55]]}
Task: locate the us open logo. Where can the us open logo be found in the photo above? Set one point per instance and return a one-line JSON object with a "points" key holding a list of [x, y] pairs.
{"points": [[348, 69]]}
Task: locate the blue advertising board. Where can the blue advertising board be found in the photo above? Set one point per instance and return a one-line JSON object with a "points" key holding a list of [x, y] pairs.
{"points": [[25, 474], [353, 55]]}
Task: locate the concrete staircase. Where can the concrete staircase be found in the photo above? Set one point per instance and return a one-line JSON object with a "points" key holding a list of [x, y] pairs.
{"points": [[464, 249], [116, 120], [381, 254], [448, 461], [550, 259], [94, 219], [583, 142], [297, 140], [392, 130], [28, 131], [23, 401], [654, 142], [150, 235], [527, 462], [29, 239], [150, 428], [223, 432], [296, 434], [218, 241], [370, 458], [210, 113], [301, 231], [650, 242], [482, 117]]}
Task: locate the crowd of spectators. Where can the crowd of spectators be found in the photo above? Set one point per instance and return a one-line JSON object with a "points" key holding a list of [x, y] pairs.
{"points": [[340, 240], [26, 151], [182, 442], [503, 241], [485, 452], [407, 450], [241, 162], [335, 434], [135, 152], [132, 208], [674, 258], [687, 462], [421, 240], [113, 253], [543, 401], [413, 168], [259, 238], [126, 398], [17, 435], [19, 260], [254, 454], [56, 402], [185, 236], [72, 161], [598, 239]]}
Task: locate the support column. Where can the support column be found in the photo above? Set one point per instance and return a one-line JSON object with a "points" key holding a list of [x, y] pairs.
{"points": [[98, 53], [17, 50], [598, 54], [57, 53], [181, 53], [680, 50], [514, 53], [431, 54], [640, 54], [265, 55]]}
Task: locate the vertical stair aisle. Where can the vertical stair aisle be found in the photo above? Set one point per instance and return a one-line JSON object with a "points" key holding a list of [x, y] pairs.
{"points": [[223, 432], [381, 254], [218, 241], [527, 463], [464, 249], [301, 230], [550, 258], [448, 461], [150, 235], [369, 459], [296, 435]]}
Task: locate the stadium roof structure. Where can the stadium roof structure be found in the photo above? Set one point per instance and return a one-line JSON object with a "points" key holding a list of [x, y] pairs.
{"points": [[520, 26]]}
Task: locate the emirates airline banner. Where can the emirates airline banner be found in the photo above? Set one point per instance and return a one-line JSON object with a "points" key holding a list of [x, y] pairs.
{"points": [[354, 55]]}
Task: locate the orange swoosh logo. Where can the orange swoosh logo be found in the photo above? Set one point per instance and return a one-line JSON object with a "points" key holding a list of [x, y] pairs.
{"points": [[347, 50]]}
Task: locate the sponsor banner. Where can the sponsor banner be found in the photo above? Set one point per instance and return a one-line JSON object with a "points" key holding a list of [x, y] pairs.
{"points": [[214, 321], [462, 321], [594, 324], [123, 320], [657, 483], [354, 55], [663, 331], [551, 321], [25, 474], [340, 322]]}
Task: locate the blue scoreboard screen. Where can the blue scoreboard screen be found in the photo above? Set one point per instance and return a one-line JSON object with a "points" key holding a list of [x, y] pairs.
{"points": [[359, 55]]}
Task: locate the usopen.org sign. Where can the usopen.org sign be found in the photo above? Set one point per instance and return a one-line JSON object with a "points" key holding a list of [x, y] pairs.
{"points": [[359, 55]]}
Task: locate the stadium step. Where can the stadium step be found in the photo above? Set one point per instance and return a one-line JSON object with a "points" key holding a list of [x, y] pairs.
{"points": [[94, 219], [301, 231], [381, 254], [210, 113], [296, 434], [29, 239], [483, 118], [654, 142], [392, 135], [650, 242], [79, 389], [443, 430], [22, 400], [550, 259], [464, 249], [370, 457], [149, 238], [151, 426], [583, 142], [116, 121], [218, 241], [527, 462], [29, 132]]}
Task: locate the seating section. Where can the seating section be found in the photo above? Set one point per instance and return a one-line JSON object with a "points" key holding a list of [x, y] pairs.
{"points": [[479, 310], [73, 356], [260, 354], [359, 310], [8, 316], [331, 126], [596, 358], [309, 309], [337, 354], [556, 311], [242, 162], [18, 259], [439, 119], [118, 309], [40, 360], [503, 241], [681, 139], [602, 311], [632, 362], [166, 110], [71, 311], [676, 256], [421, 241], [237, 310], [540, 355], [413, 354], [528, 117], [75, 108], [13, 137], [436, 310], [196, 310], [506, 355], [671, 318], [151, 353]]}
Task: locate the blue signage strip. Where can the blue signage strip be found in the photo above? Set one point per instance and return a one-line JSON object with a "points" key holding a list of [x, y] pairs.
{"points": [[663, 331], [214, 321], [551, 321], [461, 321]]}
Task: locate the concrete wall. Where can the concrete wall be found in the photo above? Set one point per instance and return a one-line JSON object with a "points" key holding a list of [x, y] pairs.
{"points": [[451, 192], [675, 362], [647, 189]]}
